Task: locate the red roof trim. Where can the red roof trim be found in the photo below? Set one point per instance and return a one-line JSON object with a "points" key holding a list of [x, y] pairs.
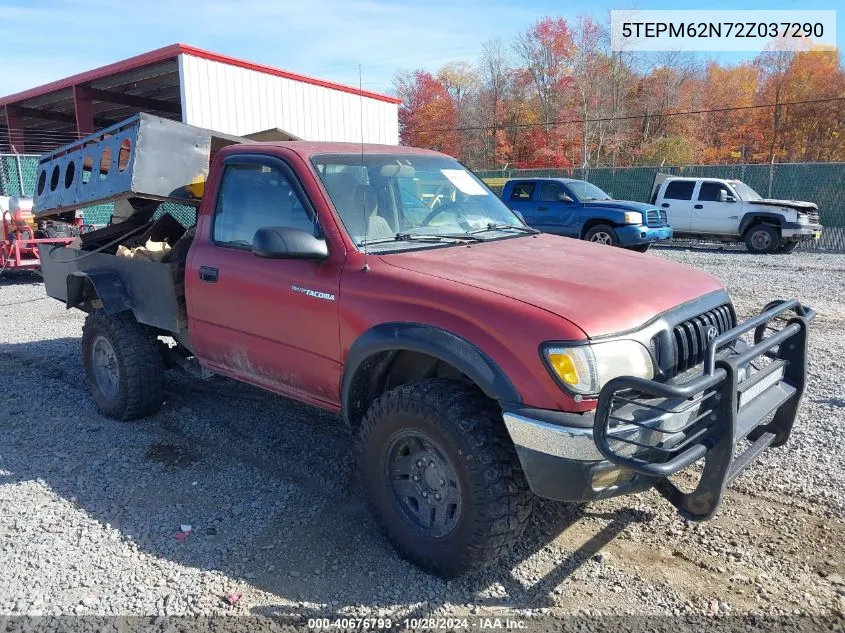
{"points": [[170, 52], [232, 61]]}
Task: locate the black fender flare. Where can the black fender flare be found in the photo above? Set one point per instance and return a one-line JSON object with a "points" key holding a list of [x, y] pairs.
{"points": [[433, 341], [751, 218], [107, 287]]}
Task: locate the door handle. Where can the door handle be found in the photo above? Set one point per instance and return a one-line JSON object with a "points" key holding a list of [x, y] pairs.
{"points": [[209, 274], [665, 205], [542, 208], [698, 206]]}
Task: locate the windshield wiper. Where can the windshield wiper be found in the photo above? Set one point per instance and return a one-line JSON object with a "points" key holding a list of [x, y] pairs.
{"points": [[416, 237], [504, 227]]}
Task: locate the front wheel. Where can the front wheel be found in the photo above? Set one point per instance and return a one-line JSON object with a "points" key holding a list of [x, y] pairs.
{"points": [[442, 477], [761, 239], [124, 365], [602, 234]]}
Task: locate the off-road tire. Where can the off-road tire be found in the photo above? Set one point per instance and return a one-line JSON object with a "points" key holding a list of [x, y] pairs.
{"points": [[599, 230], [761, 239], [787, 248], [496, 501], [140, 365], [640, 248]]}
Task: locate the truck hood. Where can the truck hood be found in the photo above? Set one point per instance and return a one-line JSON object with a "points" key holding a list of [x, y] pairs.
{"points": [[622, 205], [602, 290], [798, 205]]}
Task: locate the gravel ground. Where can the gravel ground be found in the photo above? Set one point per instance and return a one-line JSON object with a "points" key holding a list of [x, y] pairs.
{"points": [[90, 508]]}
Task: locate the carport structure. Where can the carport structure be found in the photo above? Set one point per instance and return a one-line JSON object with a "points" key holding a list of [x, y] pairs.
{"points": [[199, 87], [40, 119]]}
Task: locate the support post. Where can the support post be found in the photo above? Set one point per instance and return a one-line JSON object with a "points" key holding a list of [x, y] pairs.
{"points": [[83, 110], [14, 121]]}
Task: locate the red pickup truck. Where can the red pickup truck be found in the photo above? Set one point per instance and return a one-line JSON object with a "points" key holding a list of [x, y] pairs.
{"points": [[482, 363]]}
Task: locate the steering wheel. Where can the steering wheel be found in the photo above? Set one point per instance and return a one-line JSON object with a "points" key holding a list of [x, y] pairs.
{"points": [[448, 207]]}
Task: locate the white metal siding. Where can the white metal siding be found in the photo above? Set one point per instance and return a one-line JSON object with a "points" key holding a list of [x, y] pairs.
{"points": [[237, 100]]}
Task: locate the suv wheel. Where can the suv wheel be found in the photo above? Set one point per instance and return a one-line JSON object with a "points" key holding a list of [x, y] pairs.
{"points": [[442, 476], [124, 366], [602, 234], [762, 238]]}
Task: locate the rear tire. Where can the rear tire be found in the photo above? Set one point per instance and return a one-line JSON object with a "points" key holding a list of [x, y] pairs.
{"points": [[442, 476], [787, 248], [602, 234], [761, 239], [124, 365]]}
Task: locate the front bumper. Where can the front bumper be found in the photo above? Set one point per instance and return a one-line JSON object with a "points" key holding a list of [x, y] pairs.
{"points": [[795, 232], [652, 430], [638, 234]]}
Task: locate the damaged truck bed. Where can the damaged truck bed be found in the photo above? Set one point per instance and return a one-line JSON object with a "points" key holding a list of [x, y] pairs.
{"points": [[137, 261]]}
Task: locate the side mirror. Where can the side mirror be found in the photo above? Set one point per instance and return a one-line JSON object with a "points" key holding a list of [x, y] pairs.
{"points": [[564, 198], [724, 197], [282, 242]]}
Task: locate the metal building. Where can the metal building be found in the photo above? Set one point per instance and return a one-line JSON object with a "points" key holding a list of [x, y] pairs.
{"points": [[199, 87]]}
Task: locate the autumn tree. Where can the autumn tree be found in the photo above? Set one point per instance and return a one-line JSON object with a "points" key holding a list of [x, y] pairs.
{"points": [[428, 116], [546, 50], [560, 97]]}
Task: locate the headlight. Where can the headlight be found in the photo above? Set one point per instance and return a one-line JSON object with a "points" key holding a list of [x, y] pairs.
{"points": [[633, 217], [585, 369], [803, 218]]}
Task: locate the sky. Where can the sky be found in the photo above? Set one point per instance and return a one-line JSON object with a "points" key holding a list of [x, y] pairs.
{"points": [[46, 40]]}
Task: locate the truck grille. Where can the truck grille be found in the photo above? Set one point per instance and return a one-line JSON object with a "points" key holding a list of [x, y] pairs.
{"points": [[813, 215], [654, 217], [690, 338]]}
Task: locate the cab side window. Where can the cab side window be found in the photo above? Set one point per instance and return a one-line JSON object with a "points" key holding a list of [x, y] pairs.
{"points": [[253, 196], [522, 191], [551, 192], [679, 190], [710, 191]]}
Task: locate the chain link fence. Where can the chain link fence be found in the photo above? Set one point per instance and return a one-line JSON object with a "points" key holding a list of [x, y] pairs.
{"points": [[822, 183], [18, 175]]}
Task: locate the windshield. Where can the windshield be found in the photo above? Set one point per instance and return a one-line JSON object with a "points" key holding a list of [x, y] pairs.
{"points": [[744, 191], [585, 191], [382, 196]]}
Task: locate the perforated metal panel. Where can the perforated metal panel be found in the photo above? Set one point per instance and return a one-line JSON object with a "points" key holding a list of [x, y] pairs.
{"points": [[142, 157]]}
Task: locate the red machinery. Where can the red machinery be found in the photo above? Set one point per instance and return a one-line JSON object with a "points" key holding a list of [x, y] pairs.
{"points": [[19, 237]]}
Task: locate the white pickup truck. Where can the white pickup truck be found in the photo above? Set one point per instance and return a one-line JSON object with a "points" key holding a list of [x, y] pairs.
{"points": [[730, 211]]}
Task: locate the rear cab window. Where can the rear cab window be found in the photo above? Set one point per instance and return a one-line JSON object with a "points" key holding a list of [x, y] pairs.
{"points": [[679, 190], [522, 192]]}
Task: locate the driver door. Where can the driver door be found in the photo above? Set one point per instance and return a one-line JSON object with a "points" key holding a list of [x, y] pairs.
{"points": [[716, 210], [271, 322]]}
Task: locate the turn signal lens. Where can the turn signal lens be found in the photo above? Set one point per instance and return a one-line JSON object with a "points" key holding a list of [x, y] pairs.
{"points": [[565, 368]]}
